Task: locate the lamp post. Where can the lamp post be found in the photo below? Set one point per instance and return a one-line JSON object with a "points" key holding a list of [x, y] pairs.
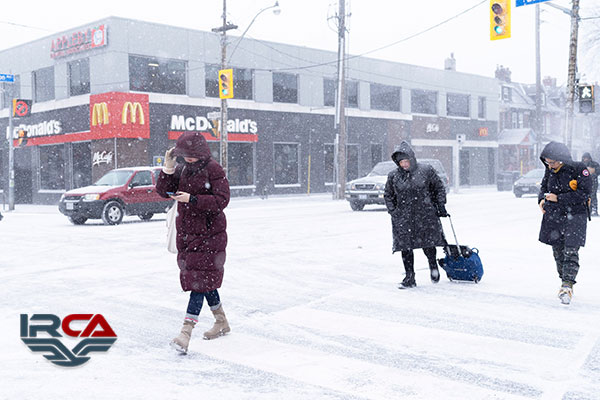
{"points": [[276, 11], [223, 30]]}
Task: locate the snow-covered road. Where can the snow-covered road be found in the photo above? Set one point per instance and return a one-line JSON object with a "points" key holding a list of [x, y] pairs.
{"points": [[310, 292]]}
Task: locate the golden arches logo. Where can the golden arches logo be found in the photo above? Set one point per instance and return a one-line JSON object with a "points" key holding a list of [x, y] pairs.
{"points": [[132, 108], [100, 114]]}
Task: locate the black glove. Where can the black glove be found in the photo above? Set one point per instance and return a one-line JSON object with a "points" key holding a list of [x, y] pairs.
{"points": [[441, 211]]}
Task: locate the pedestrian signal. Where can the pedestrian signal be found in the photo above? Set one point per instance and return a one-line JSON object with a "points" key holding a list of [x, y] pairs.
{"points": [[499, 19], [22, 138], [226, 83], [586, 98]]}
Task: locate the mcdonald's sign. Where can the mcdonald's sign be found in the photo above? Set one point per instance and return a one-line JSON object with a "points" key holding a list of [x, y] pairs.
{"points": [[132, 109], [100, 114], [119, 114]]}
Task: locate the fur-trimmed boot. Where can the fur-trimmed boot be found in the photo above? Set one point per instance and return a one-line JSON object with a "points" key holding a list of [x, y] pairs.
{"points": [[182, 342], [221, 326]]}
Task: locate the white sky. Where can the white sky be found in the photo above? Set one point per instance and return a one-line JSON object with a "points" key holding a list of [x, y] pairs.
{"points": [[373, 24]]}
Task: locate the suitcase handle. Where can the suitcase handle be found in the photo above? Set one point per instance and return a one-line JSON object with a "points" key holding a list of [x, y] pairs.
{"points": [[453, 232], [475, 250]]}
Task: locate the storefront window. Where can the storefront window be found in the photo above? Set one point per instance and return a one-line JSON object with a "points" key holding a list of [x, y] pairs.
{"points": [[79, 77], [351, 162], [82, 164], [457, 105], [352, 94], [52, 167], [329, 92], [285, 88], [481, 107], [385, 97], [240, 164], [10, 91], [376, 153], [43, 84], [286, 163], [423, 101], [242, 82], [157, 75], [215, 150]]}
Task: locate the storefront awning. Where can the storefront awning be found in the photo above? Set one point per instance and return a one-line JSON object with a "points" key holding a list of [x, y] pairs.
{"points": [[516, 137]]}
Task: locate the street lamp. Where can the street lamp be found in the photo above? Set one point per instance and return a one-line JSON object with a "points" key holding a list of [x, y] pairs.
{"points": [[223, 30], [276, 11]]}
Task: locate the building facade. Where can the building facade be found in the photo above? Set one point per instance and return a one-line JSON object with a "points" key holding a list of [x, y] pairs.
{"points": [[119, 92]]}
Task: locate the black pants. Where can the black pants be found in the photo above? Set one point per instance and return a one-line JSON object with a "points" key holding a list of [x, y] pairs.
{"points": [[408, 257], [567, 262], [197, 298]]}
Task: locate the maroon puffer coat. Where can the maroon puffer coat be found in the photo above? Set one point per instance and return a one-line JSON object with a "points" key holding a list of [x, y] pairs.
{"points": [[201, 227]]}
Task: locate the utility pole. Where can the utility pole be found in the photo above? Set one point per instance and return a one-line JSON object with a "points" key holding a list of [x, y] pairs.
{"points": [[572, 71], [341, 104], [539, 121], [223, 128], [11, 159]]}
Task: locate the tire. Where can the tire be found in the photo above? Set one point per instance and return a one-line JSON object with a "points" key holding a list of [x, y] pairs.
{"points": [[112, 213], [519, 195], [77, 220], [356, 206], [146, 216]]}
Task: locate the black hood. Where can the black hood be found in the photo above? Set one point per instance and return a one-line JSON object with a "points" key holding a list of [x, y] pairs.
{"points": [[556, 151], [586, 155], [405, 149]]}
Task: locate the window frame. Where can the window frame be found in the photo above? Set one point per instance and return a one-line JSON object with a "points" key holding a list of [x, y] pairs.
{"points": [[36, 85], [288, 94], [78, 63], [164, 85], [423, 92], [384, 95], [454, 99], [299, 180]]}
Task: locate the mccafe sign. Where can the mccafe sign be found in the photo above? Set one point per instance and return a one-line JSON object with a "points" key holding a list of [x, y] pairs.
{"points": [[78, 41], [202, 124]]}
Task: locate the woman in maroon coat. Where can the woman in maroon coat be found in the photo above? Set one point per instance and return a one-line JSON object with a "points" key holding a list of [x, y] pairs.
{"points": [[200, 187]]}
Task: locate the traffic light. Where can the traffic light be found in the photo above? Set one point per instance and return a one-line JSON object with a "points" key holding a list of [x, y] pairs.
{"points": [[226, 83], [22, 138], [586, 98], [499, 19]]}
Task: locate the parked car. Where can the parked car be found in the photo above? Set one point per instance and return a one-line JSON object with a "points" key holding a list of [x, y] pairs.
{"points": [[369, 189], [529, 183], [123, 191]]}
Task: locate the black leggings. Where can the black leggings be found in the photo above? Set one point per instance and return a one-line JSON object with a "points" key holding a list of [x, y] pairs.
{"points": [[408, 257]]}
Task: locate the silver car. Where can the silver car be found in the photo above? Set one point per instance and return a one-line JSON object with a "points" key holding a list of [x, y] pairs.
{"points": [[369, 190]]}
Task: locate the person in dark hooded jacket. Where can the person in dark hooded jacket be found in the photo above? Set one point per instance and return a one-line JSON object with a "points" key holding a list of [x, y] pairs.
{"points": [[594, 169], [201, 190], [563, 199], [415, 198]]}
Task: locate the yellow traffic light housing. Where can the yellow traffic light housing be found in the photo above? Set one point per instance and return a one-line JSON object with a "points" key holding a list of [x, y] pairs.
{"points": [[226, 83], [499, 19]]}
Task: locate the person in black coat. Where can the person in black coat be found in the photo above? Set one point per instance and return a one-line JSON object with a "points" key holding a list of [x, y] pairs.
{"points": [[415, 198], [593, 167], [563, 199]]}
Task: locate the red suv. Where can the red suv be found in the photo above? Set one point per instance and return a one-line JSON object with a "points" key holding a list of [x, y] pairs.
{"points": [[123, 191]]}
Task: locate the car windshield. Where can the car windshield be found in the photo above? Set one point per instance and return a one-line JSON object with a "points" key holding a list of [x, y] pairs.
{"points": [[114, 178], [536, 173], [383, 168]]}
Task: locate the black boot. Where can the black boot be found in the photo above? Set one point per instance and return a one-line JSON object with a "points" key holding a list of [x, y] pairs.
{"points": [[434, 272], [409, 280]]}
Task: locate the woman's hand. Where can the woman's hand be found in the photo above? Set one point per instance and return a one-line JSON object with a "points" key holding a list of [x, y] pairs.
{"points": [[551, 197], [181, 197], [542, 206]]}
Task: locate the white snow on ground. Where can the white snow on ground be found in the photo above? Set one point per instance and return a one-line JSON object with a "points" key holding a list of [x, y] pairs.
{"points": [[310, 292]]}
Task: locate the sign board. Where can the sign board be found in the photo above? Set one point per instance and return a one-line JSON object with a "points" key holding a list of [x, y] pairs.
{"points": [[528, 2], [21, 108], [158, 161], [213, 115], [7, 78]]}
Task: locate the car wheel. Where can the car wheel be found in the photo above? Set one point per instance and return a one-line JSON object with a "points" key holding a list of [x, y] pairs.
{"points": [[519, 195], [145, 216], [356, 206], [77, 220], [112, 213]]}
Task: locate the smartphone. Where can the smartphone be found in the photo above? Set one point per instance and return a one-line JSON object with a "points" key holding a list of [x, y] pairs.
{"points": [[170, 193]]}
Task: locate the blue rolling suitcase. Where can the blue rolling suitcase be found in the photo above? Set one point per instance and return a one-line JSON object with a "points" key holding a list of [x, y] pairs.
{"points": [[461, 263]]}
